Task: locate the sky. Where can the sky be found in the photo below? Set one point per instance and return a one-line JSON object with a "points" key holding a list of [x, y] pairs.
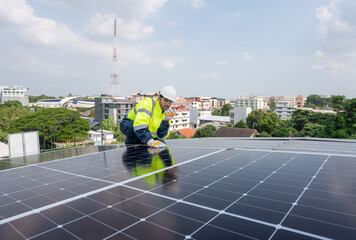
{"points": [[203, 48]]}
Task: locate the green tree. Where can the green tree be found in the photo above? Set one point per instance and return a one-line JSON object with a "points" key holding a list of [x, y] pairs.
{"points": [[229, 125], [119, 135], [299, 119], [272, 105], [264, 134], [341, 133], [216, 112], [263, 121], [3, 136], [207, 131], [312, 130], [241, 124], [315, 100], [58, 121], [9, 112], [225, 111], [33, 99], [175, 135], [338, 103], [92, 113], [285, 132], [16, 104], [109, 124]]}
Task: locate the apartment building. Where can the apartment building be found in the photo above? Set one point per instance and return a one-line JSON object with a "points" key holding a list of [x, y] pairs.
{"points": [[17, 92], [239, 113], [252, 102], [291, 100], [299, 101], [180, 120], [284, 109], [105, 107], [213, 103]]}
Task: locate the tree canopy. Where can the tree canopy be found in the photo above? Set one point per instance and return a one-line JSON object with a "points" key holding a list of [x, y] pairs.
{"points": [[207, 131], [224, 111], [315, 100], [263, 121], [241, 124], [33, 99], [9, 112], [58, 121]]}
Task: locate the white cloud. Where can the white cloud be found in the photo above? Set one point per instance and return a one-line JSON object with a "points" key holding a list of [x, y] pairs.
{"points": [[337, 37], [168, 64], [248, 57], [331, 23], [213, 75], [47, 32], [319, 54], [221, 62], [197, 3]]}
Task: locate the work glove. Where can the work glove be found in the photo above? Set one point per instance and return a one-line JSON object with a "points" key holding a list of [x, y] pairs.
{"points": [[155, 143], [170, 113], [154, 151]]}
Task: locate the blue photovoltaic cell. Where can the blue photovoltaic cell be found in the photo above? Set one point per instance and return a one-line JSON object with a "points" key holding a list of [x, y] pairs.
{"points": [[180, 193]]}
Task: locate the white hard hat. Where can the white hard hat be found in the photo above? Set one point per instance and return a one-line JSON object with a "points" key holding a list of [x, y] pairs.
{"points": [[169, 92]]}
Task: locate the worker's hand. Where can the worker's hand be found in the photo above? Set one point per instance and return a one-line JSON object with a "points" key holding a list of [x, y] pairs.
{"points": [[155, 143], [153, 151], [170, 113]]}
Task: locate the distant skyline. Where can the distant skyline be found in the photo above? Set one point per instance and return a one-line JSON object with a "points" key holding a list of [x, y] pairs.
{"points": [[215, 48]]}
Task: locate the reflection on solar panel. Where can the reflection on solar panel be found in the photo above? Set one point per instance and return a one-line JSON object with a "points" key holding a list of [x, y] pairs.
{"points": [[181, 193]]}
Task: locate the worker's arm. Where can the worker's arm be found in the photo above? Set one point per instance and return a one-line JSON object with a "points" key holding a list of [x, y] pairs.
{"points": [[162, 131], [143, 134]]}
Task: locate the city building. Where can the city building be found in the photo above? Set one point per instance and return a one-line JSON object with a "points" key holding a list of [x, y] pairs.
{"points": [[105, 107], [17, 92], [192, 104], [239, 113], [284, 109], [291, 100], [213, 103], [299, 101], [97, 136], [222, 120], [252, 102], [70, 102], [180, 120], [222, 102], [195, 114]]}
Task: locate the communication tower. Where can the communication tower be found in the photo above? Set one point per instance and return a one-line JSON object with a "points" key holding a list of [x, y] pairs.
{"points": [[114, 77]]}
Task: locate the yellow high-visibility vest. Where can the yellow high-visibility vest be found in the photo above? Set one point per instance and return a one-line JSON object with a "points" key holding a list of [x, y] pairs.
{"points": [[147, 114]]}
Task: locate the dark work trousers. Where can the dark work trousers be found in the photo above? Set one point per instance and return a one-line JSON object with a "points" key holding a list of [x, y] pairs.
{"points": [[126, 127]]}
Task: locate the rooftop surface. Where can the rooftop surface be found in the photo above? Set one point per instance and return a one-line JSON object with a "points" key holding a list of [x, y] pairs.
{"points": [[212, 188]]}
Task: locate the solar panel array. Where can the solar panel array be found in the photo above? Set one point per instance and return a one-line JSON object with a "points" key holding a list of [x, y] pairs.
{"points": [[181, 193]]}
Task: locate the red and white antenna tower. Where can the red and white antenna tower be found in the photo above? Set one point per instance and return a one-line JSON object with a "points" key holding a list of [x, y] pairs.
{"points": [[114, 77]]}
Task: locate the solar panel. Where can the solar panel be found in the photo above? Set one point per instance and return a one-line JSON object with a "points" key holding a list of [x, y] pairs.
{"points": [[181, 193]]}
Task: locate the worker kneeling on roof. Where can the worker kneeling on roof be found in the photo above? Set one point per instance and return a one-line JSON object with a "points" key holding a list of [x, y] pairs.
{"points": [[148, 122]]}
